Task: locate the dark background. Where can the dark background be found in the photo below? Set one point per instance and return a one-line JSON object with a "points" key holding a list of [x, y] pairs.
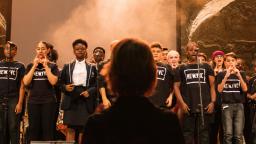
{"points": [[231, 29]]}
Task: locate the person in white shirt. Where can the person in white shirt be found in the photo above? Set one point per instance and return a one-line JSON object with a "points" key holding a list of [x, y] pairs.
{"points": [[78, 80]]}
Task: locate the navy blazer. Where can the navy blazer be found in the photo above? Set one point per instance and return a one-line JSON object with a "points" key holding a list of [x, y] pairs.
{"points": [[66, 78]]}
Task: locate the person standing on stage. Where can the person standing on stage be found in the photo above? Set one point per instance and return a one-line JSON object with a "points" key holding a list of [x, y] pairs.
{"points": [[52, 54], [173, 58], [218, 61], [11, 94], [78, 80], [98, 56], [103, 101], [107, 98], [164, 55], [188, 80], [202, 57], [216, 130], [232, 87], [162, 97], [41, 77], [250, 126]]}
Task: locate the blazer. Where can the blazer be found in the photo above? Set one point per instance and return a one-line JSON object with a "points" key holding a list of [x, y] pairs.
{"points": [[66, 78]]}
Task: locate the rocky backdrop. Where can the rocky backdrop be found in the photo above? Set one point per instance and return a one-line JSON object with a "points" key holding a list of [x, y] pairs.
{"points": [[231, 28]]}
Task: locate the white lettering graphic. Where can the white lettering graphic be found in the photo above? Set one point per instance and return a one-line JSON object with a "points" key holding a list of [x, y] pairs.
{"points": [[12, 73], [39, 73], [232, 86], [193, 76], [161, 72]]}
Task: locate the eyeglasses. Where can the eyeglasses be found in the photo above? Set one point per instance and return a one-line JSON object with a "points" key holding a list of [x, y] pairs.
{"points": [[219, 56]]}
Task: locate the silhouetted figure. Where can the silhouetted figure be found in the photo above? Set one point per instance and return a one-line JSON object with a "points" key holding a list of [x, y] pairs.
{"points": [[131, 76]]}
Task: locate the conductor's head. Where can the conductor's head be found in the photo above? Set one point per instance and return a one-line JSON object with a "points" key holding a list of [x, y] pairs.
{"points": [[132, 70]]}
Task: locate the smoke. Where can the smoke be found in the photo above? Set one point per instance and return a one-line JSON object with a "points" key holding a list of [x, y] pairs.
{"points": [[99, 22]]}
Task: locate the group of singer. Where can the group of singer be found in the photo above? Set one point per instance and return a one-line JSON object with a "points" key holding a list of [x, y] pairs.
{"points": [[144, 93]]}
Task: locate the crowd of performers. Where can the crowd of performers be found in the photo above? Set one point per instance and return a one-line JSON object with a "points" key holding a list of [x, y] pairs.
{"points": [[64, 98]]}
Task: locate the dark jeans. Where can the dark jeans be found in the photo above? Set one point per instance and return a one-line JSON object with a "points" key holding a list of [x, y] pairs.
{"points": [[254, 129], [193, 130], [9, 122], [41, 121], [248, 115], [233, 123], [250, 122]]}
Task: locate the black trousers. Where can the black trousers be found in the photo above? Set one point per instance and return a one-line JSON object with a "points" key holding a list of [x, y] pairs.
{"points": [[194, 132], [41, 121], [216, 127], [250, 122], [9, 122]]}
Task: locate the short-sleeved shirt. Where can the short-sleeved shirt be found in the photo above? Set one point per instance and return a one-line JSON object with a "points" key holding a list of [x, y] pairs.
{"points": [[41, 91], [165, 79], [14, 71], [191, 79], [232, 91]]}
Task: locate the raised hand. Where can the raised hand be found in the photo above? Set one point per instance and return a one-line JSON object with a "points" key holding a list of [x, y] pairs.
{"points": [[44, 62], [237, 72], [228, 72], [36, 61]]}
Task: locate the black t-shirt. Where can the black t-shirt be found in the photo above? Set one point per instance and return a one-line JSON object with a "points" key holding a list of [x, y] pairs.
{"points": [[102, 83], [100, 79], [252, 85], [41, 91], [232, 92], [165, 77], [188, 77], [16, 72]]}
